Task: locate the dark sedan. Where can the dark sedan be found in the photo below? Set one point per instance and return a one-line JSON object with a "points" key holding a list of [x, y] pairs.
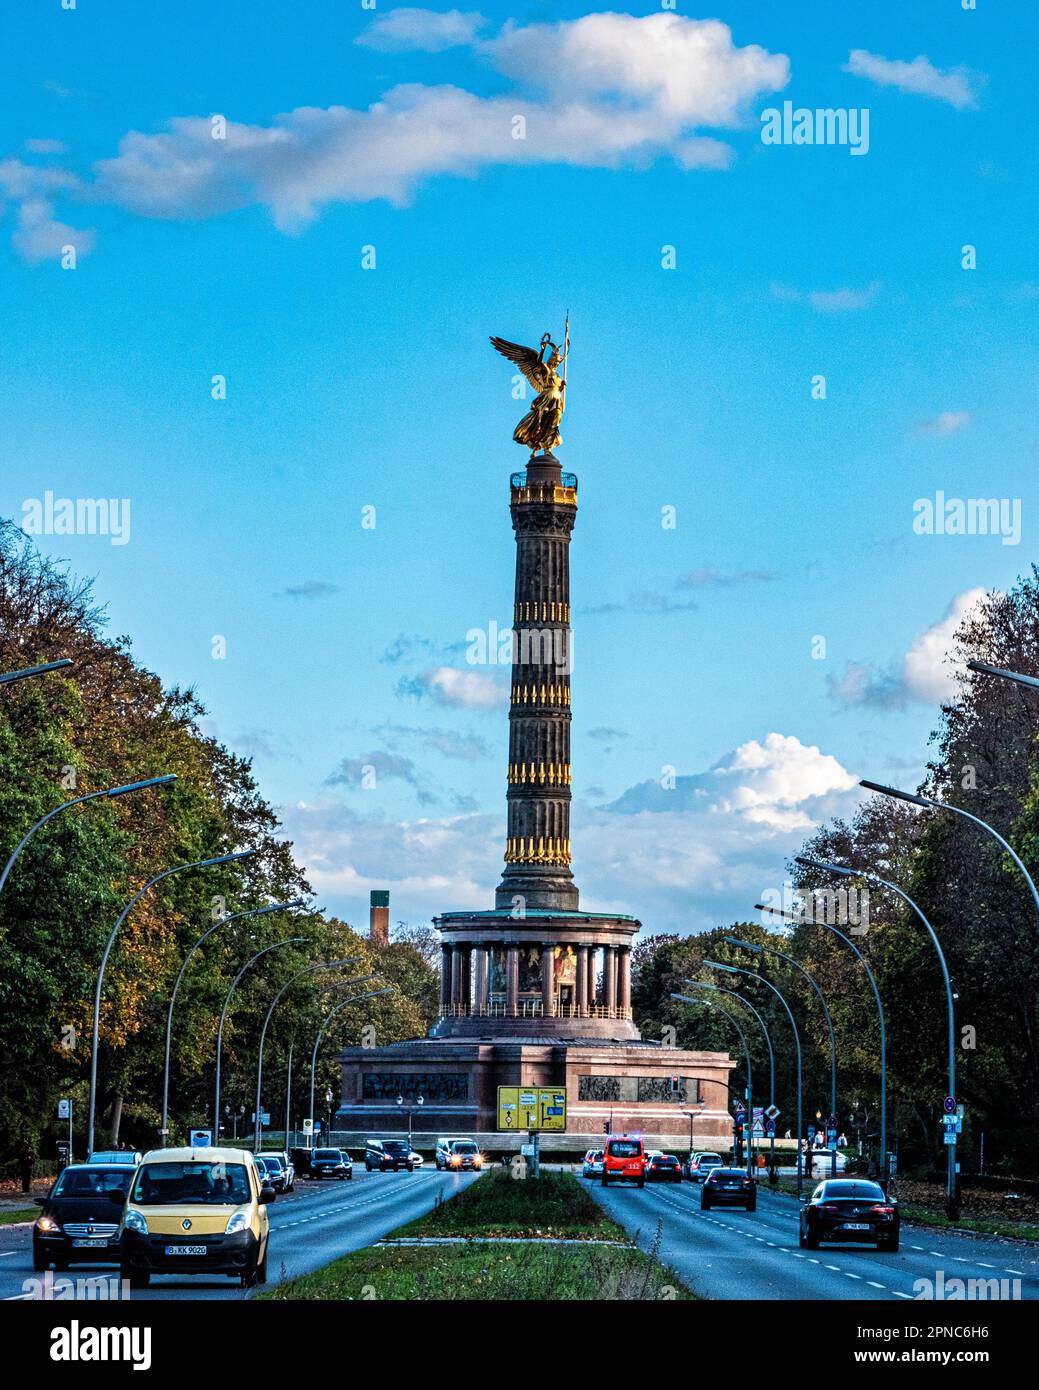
{"points": [[732, 1187], [664, 1168], [850, 1209], [80, 1217]]}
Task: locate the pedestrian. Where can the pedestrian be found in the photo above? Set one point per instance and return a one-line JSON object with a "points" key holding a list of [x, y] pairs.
{"points": [[26, 1163], [842, 1140]]}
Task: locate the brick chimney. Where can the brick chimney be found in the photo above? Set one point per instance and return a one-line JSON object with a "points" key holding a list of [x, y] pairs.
{"points": [[379, 917]]}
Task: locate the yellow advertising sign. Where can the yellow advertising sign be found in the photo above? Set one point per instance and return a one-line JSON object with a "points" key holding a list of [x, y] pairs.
{"points": [[531, 1107]]}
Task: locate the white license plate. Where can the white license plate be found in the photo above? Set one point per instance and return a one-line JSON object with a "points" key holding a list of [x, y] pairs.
{"points": [[185, 1249], [855, 1226], [90, 1244]]}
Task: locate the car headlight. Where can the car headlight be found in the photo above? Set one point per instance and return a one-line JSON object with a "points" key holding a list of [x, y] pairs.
{"points": [[238, 1221], [48, 1225], [134, 1221]]}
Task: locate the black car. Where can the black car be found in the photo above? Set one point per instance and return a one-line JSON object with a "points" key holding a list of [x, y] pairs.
{"points": [[330, 1163], [384, 1154], [730, 1187], [79, 1222], [664, 1168], [850, 1209]]}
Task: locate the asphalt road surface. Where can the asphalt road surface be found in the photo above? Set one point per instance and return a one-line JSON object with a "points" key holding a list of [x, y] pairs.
{"points": [[309, 1228], [728, 1253]]}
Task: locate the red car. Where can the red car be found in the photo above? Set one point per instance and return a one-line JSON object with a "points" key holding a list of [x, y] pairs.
{"points": [[624, 1160]]}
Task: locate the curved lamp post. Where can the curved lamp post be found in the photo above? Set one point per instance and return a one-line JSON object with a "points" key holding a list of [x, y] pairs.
{"points": [[307, 970], [754, 975], [8, 676], [288, 941], [802, 921], [351, 999], [78, 801], [931, 805], [823, 865], [166, 873], [771, 951], [221, 922], [706, 984], [710, 1004]]}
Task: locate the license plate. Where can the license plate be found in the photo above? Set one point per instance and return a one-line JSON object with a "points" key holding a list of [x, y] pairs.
{"points": [[185, 1249], [855, 1226], [90, 1244]]}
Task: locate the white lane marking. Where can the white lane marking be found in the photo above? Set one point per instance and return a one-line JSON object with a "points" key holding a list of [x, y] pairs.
{"points": [[874, 1285], [1019, 1272], [983, 1265], [851, 1276], [4, 1253], [834, 1267], [916, 1247], [899, 1294]]}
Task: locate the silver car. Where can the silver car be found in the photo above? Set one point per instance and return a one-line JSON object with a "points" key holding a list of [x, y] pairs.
{"points": [[592, 1165]]}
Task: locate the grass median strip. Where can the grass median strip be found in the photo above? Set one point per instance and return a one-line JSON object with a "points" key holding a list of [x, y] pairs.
{"points": [[500, 1238], [18, 1215]]}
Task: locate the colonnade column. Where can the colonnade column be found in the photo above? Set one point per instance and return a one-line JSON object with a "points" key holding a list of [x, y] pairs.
{"points": [[445, 977], [456, 977], [624, 979], [548, 966], [593, 952], [512, 981], [609, 972], [481, 961], [582, 982]]}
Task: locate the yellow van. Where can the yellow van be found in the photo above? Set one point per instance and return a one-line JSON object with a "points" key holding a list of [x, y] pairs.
{"points": [[195, 1211]]}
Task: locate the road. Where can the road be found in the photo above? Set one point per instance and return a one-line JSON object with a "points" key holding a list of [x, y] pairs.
{"points": [[727, 1253], [309, 1228]]}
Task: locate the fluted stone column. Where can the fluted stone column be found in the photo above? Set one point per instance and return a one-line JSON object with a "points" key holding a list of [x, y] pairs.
{"points": [[593, 955], [466, 977], [481, 956], [512, 981], [445, 977], [548, 1002], [456, 976], [624, 977], [582, 981], [609, 971]]}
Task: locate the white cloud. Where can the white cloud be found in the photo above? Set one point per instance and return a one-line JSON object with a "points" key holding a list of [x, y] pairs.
{"points": [[45, 146], [681, 860], [41, 237], [955, 86], [840, 301], [431, 31], [606, 91], [945, 423], [458, 689], [922, 674], [928, 674]]}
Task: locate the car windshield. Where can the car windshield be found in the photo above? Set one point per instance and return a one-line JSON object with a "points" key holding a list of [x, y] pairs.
{"points": [[164, 1184], [274, 1163], [624, 1148], [871, 1190], [464, 1146], [395, 1146], [86, 1182], [333, 1154]]}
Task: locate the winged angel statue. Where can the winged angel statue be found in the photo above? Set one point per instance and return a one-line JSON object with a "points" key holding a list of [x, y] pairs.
{"points": [[539, 428]]}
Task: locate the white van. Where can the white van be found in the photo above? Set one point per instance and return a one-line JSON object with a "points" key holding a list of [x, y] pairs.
{"points": [[457, 1154]]}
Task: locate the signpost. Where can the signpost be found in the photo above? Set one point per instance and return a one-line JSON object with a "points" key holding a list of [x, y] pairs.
{"points": [[531, 1108], [65, 1113]]}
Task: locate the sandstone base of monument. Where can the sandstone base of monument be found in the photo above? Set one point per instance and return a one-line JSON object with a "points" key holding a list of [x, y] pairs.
{"points": [[626, 1084]]}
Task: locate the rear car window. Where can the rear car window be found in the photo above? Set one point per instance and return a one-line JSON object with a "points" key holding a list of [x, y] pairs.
{"points": [[854, 1189], [624, 1148]]}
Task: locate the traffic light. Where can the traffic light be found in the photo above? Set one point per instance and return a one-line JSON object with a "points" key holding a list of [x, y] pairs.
{"points": [[606, 1126], [676, 1085]]}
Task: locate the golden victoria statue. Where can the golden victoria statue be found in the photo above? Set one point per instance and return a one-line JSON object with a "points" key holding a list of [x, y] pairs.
{"points": [[539, 428]]}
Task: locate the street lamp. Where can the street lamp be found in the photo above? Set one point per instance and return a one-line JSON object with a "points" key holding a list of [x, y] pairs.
{"points": [[307, 970], [802, 921], [771, 950], [350, 999], [78, 801], [930, 804], [709, 1004], [419, 1100], [166, 873], [705, 984], [754, 975], [288, 941], [824, 866], [986, 670], [7, 677], [221, 922]]}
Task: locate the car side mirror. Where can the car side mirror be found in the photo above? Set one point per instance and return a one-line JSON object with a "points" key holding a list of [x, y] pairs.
{"points": [[116, 1197], [267, 1194], [41, 1201]]}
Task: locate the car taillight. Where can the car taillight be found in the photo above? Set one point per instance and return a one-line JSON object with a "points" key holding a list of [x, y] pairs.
{"points": [[748, 1182], [830, 1208], [883, 1211]]}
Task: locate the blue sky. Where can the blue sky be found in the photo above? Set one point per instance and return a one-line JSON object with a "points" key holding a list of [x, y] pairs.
{"points": [[350, 388]]}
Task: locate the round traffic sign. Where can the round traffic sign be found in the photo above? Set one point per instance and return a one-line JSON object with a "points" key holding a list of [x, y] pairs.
{"points": [[949, 1105]]}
